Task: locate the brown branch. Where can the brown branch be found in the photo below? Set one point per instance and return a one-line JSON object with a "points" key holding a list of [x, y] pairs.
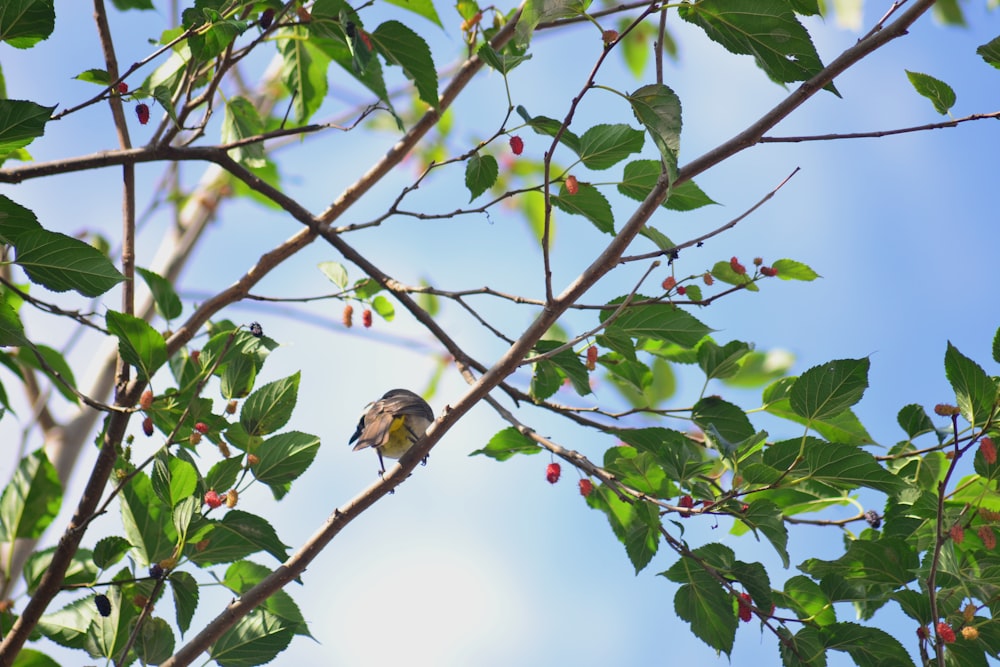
{"points": [[874, 134]]}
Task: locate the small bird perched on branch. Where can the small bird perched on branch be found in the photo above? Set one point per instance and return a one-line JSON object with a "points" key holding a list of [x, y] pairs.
{"points": [[393, 424]]}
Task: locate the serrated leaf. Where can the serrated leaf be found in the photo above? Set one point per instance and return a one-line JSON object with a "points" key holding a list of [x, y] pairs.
{"points": [[975, 391], [501, 62], [123, 5], [661, 322], [789, 269], [768, 30], [424, 8], [658, 108], [635, 524], [639, 471], [538, 11], [827, 390], [867, 646], [335, 272], [255, 639], [239, 122], [21, 122], [604, 146], [723, 421], [481, 173], [568, 363], [11, 328], [284, 457], [550, 127], [109, 550], [938, 92], [303, 71], [990, 52], [765, 516], [145, 519], [155, 642], [809, 600], [173, 478], [270, 407], [185, 594], [166, 299], [914, 420], [31, 499], [723, 271], [401, 46], [139, 344], [588, 202], [722, 361], [62, 263], [506, 444], [98, 76], [847, 467], [24, 23], [888, 561], [238, 535], [244, 575], [704, 603]]}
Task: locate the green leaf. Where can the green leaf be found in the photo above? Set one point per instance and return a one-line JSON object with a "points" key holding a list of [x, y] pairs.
{"points": [[480, 174], [990, 51], [155, 642], [704, 603], [213, 38], [827, 390], [384, 308], [639, 178], [303, 71], [809, 601], [223, 474], [913, 419], [238, 535], [722, 362], [173, 479], [588, 202], [681, 459], [768, 30], [568, 363], [424, 8], [604, 146], [270, 407], [661, 322], [789, 269], [401, 46], [888, 561], [31, 499], [98, 76], [241, 121], [550, 127], [61, 262], [146, 520], [506, 444], [284, 457], [639, 470], [867, 646], [68, 626], [658, 108], [843, 427], [540, 11], [110, 550], [185, 594], [244, 575], [55, 367], [11, 328], [24, 23], [635, 524], [847, 467], [27, 657], [123, 5], [765, 516], [335, 272], [975, 391], [938, 92], [255, 639], [139, 344], [502, 63], [167, 302], [21, 122], [724, 271], [81, 569], [725, 424]]}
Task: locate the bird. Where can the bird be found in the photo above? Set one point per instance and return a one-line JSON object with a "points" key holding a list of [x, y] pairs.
{"points": [[392, 424]]}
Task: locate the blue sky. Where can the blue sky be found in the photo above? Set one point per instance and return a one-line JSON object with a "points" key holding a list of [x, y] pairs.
{"points": [[475, 562]]}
